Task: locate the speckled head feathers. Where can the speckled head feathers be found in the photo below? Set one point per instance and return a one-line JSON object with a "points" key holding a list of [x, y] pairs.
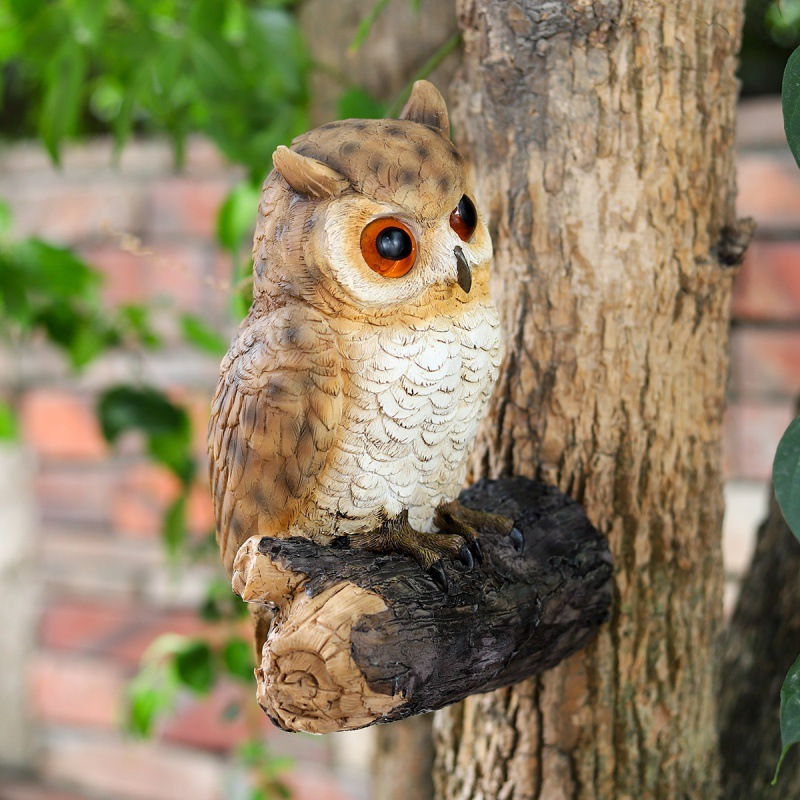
{"points": [[407, 161]]}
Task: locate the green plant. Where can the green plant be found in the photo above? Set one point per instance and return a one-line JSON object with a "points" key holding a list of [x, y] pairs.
{"points": [[786, 482], [231, 69], [786, 467]]}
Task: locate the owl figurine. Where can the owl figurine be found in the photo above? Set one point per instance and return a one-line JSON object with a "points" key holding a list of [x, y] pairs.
{"points": [[350, 399]]}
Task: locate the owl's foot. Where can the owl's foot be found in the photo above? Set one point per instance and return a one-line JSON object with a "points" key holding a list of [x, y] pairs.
{"points": [[427, 549], [453, 518]]}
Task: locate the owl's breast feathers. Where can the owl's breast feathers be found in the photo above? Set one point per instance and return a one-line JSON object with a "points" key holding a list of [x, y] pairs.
{"points": [[274, 417]]}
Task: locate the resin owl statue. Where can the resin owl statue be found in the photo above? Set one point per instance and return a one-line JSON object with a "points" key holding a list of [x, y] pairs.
{"points": [[350, 399]]}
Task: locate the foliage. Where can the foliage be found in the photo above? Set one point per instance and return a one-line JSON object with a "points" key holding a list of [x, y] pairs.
{"points": [[9, 429], [790, 99], [786, 482], [266, 769], [790, 714], [167, 433], [786, 466], [786, 476], [231, 69], [173, 664], [771, 31], [50, 290]]}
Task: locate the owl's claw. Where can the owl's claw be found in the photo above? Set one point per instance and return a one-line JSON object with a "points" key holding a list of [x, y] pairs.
{"points": [[517, 540], [476, 550], [436, 571], [465, 557]]}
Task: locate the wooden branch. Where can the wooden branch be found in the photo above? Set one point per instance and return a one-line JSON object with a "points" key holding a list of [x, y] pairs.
{"points": [[360, 638]]}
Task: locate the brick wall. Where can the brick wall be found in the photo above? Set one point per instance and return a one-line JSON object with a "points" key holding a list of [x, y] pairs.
{"points": [[105, 586]]}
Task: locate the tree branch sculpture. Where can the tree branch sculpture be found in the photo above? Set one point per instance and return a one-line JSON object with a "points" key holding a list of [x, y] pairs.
{"points": [[360, 639]]}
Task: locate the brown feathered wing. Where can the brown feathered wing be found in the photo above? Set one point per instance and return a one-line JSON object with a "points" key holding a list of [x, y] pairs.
{"points": [[274, 417]]}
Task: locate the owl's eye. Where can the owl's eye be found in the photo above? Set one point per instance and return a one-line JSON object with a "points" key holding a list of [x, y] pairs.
{"points": [[388, 247], [464, 218]]}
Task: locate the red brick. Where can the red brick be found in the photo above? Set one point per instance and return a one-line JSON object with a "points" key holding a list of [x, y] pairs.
{"points": [[61, 425], [181, 274], [84, 626], [129, 645], [751, 434], [35, 791], [180, 205], [77, 692], [79, 495], [203, 723], [128, 770], [308, 784], [765, 363], [124, 273], [768, 285], [141, 498], [76, 210], [769, 190], [200, 512]]}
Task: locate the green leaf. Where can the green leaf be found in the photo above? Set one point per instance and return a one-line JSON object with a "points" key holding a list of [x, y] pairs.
{"points": [[56, 270], [126, 408], [237, 215], [9, 425], [202, 336], [194, 666], [173, 531], [5, 218], [150, 694], [237, 655], [358, 103], [790, 713], [790, 96], [786, 476], [135, 321], [62, 101]]}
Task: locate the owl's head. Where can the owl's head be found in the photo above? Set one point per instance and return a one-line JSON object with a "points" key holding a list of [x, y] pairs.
{"points": [[373, 213]]}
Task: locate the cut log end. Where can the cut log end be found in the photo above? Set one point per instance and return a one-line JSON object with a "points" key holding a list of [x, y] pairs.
{"points": [[360, 638]]}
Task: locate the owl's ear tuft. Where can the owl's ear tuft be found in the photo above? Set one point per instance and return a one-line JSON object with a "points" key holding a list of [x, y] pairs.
{"points": [[427, 106], [307, 175]]}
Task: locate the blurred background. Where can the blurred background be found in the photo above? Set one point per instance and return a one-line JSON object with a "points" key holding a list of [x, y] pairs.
{"points": [[134, 138]]}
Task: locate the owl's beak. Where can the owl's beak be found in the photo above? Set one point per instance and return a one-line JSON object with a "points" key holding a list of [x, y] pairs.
{"points": [[464, 275]]}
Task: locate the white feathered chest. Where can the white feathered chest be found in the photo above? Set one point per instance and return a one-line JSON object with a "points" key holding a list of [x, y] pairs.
{"points": [[414, 394]]}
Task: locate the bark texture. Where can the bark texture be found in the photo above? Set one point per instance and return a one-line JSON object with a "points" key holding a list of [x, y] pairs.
{"points": [[762, 642], [601, 134]]}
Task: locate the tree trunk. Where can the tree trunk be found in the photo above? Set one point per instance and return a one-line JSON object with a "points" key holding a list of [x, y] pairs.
{"points": [[762, 642], [601, 136]]}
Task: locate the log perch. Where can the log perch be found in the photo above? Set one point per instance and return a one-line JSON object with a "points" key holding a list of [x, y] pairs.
{"points": [[360, 638]]}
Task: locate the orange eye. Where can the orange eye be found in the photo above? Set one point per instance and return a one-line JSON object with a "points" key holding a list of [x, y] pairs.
{"points": [[388, 247], [464, 219]]}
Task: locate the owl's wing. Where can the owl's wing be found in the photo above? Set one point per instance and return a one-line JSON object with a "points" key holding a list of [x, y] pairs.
{"points": [[274, 417]]}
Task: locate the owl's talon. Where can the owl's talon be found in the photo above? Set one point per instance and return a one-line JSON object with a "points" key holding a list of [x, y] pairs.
{"points": [[436, 571], [517, 540], [465, 557], [476, 550]]}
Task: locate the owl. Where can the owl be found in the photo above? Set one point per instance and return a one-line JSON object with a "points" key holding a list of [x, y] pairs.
{"points": [[350, 399]]}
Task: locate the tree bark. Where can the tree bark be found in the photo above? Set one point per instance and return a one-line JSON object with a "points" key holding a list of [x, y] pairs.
{"points": [[762, 642], [601, 136]]}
